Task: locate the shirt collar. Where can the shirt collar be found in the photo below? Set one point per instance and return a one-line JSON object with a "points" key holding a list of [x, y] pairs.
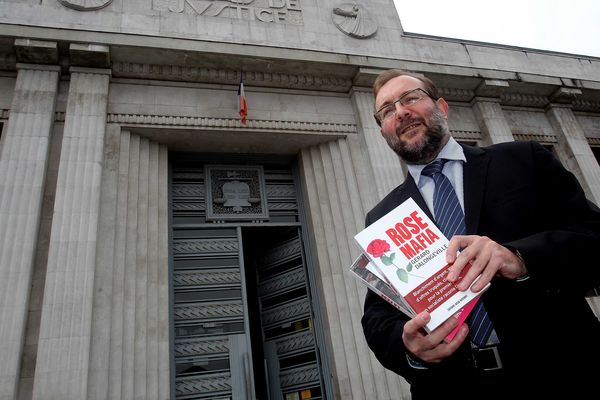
{"points": [[451, 151]]}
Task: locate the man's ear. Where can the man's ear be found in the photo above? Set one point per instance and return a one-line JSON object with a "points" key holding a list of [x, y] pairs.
{"points": [[443, 106]]}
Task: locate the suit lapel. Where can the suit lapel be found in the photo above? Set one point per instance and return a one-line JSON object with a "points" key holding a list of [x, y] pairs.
{"points": [[410, 189], [474, 180]]}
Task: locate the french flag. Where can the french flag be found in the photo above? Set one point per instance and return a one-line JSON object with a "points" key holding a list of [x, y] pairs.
{"points": [[243, 105]]}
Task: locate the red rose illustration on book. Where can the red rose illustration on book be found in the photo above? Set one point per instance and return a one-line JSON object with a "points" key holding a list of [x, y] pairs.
{"points": [[378, 247]]}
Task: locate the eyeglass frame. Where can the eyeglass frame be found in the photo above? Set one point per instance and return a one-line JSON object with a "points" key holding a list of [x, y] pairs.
{"points": [[402, 96]]}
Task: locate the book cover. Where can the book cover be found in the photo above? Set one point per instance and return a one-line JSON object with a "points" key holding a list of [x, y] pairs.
{"points": [[409, 251], [363, 270]]}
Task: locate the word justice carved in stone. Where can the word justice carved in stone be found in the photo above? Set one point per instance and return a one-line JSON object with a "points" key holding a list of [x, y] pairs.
{"points": [[270, 11]]}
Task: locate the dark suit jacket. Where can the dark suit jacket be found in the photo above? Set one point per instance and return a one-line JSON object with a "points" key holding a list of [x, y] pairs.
{"points": [[521, 197]]}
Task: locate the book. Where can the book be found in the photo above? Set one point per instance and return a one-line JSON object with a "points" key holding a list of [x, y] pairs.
{"points": [[408, 252], [364, 271]]}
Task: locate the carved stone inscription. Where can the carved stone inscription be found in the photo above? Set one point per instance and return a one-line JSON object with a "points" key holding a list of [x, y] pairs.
{"points": [[270, 11]]}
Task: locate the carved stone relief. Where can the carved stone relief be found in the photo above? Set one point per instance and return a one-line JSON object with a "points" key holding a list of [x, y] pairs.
{"points": [[354, 20], [85, 5], [235, 192]]}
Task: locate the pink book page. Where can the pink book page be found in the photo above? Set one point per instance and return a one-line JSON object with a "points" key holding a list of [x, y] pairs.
{"points": [[462, 316]]}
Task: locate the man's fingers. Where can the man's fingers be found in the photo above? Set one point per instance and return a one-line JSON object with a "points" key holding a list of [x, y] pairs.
{"points": [[438, 335], [419, 343], [415, 326], [478, 266], [443, 350], [453, 257], [454, 245]]}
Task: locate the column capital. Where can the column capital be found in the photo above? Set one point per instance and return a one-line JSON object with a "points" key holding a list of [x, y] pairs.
{"points": [[32, 51], [485, 99], [551, 106], [89, 55], [38, 67], [491, 87], [359, 89], [565, 95], [85, 70], [366, 76]]}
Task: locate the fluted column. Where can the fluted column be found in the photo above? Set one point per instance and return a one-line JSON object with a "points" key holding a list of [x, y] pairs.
{"points": [[573, 142], [64, 342], [491, 119], [130, 336], [384, 162], [338, 195], [23, 160]]}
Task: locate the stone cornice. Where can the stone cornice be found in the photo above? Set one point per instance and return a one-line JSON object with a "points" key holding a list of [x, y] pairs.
{"points": [[453, 94], [586, 105], [226, 123], [224, 76], [535, 137], [523, 100], [465, 135]]}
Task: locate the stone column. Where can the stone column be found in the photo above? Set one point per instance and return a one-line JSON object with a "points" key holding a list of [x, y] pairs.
{"points": [[572, 141], [64, 342], [338, 194], [23, 160], [494, 127], [385, 164], [486, 106]]}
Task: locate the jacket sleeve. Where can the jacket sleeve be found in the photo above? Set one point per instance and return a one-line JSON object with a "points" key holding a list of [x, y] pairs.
{"points": [[382, 325], [560, 253]]}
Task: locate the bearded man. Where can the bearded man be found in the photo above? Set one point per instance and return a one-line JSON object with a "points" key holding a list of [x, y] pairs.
{"points": [[525, 225]]}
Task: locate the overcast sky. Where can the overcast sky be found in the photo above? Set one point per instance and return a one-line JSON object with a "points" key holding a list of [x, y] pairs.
{"points": [[567, 26]]}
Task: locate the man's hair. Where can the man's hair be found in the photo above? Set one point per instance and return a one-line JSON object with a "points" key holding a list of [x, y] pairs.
{"points": [[390, 74]]}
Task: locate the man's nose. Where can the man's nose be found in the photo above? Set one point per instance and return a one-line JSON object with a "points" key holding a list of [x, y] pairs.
{"points": [[401, 111]]}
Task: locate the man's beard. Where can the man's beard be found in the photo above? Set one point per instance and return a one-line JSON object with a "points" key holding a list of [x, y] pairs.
{"points": [[426, 150]]}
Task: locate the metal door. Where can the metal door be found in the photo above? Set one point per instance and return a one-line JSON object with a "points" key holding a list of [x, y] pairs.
{"points": [[243, 319], [286, 317], [210, 316]]}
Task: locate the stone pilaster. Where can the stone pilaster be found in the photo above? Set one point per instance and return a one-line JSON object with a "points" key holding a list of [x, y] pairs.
{"points": [[494, 127], [386, 164], [130, 335], [65, 330], [572, 141], [338, 194], [23, 161]]}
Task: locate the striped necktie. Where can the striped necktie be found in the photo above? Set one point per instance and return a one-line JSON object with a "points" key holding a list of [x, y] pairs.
{"points": [[451, 221]]}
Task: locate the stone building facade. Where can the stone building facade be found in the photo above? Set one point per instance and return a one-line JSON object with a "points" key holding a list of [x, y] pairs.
{"points": [[153, 247]]}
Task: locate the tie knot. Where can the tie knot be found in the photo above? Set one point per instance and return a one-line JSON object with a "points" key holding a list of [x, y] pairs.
{"points": [[434, 168]]}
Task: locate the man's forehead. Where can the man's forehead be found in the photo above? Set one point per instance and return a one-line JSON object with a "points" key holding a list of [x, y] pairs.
{"points": [[395, 87]]}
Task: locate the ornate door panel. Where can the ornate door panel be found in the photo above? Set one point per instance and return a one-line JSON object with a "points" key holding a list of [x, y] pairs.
{"points": [[289, 340], [212, 358]]}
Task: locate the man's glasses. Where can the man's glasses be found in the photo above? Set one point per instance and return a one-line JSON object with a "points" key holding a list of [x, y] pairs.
{"points": [[406, 99]]}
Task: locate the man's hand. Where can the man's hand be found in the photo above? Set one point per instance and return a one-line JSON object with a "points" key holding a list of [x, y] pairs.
{"points": [[431, 347], [487, 259]]}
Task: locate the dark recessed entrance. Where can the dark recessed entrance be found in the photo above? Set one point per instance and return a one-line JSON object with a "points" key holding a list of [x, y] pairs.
{"points": [[244, 318]]}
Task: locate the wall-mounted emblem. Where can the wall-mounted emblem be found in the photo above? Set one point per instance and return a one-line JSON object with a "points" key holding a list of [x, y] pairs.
{"points": [[235, 192], [85, 5], [354, 20]]}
